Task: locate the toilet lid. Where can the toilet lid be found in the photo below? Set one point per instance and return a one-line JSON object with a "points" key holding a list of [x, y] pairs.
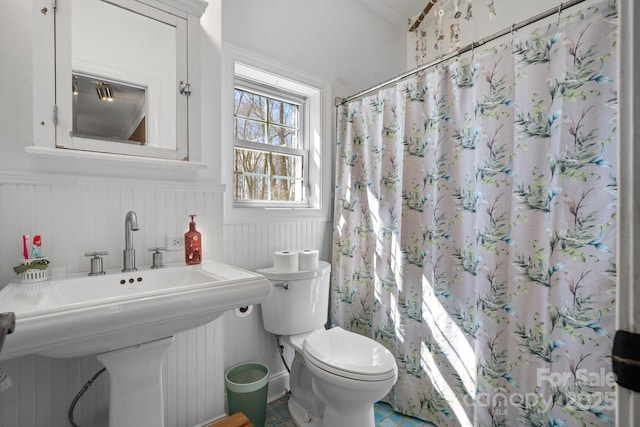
{"points": [[350, 355]]}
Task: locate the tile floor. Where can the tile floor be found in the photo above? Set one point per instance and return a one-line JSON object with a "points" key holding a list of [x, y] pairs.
{"points": [[278, 416]]}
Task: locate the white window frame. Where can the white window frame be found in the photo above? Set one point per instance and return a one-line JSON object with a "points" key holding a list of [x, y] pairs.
{"points": [[318, 121], [303, 137]]}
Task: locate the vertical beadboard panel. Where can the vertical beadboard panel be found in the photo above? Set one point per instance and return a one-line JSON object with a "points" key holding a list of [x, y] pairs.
{"points": [[251, 246], [75, 216]]}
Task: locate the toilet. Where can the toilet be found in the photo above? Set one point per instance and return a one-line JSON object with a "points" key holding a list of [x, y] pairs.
{"points": [[336, 375]]}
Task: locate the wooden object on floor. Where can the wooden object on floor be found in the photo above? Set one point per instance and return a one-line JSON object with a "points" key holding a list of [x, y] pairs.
{"points": [[236, 420]]}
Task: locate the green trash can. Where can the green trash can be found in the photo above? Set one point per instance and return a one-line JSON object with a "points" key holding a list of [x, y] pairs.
{"points": [[247, 385]]}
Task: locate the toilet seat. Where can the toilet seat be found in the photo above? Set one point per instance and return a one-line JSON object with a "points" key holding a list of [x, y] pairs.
{"points": [[349, 355]]}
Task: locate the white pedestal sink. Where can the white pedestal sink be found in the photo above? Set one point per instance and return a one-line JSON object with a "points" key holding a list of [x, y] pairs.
{"points": [[128, 320]]}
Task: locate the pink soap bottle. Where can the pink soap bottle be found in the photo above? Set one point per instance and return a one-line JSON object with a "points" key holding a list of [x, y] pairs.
{"points": [[192, 244]]}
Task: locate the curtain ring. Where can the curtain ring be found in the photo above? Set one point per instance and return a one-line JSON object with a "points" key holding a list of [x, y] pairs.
{"points": [[559, 12]]}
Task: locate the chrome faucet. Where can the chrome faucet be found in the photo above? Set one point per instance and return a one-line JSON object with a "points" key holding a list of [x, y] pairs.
{"points": [[130, 225]]}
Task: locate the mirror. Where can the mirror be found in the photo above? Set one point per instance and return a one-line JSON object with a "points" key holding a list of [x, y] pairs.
{"points": [[105, 109]]}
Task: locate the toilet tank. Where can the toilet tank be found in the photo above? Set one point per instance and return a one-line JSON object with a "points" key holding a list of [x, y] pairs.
{"points": [[299, 301]]}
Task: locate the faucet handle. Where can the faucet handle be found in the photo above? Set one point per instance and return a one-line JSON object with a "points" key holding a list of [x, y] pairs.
{"points": [[96, 253], [157, 256], [96, 262]]}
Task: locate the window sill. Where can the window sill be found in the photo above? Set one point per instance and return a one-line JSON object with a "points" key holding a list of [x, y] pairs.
{"points": [[252, 215]]}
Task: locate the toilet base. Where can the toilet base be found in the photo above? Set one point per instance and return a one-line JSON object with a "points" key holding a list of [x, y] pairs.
{"points": [[301, 417]]}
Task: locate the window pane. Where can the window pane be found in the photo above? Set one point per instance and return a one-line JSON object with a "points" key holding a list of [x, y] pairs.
{"points": [[251, 161], [251, 175], [251, 187], [286, 190], [240, 188], [249, 130], [282, 136], [250, 105], [260, 175], [286, 166], [283, 113], [286, 184]]}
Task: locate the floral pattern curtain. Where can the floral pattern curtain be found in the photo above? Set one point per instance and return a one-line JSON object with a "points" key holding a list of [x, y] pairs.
{"points": [[475, 229]]}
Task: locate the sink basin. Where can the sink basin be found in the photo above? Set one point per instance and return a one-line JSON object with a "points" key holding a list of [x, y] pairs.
{"points": [[81, 315]]}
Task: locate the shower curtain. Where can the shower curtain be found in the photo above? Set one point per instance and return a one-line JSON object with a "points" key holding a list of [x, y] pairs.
{"points": [[475, 228]]}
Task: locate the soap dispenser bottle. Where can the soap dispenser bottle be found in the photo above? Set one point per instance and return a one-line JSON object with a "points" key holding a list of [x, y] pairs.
{"points": [[192, 244]]}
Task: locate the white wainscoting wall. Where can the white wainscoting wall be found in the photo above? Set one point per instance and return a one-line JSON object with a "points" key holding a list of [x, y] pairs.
{"points": [[80, 214]]}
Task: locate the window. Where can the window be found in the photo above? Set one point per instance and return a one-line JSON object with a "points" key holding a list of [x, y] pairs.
{"points": [[276, 153], [270, 159]]}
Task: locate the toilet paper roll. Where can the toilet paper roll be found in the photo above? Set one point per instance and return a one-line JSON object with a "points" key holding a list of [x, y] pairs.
{"points": [[244, 311], [285, 261], [308, 259]]}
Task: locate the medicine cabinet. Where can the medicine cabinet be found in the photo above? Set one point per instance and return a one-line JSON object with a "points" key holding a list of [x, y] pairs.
{"points": [[118, 77]]}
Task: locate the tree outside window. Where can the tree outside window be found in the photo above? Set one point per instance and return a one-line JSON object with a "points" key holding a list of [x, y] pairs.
{"points": [[268, 154]]}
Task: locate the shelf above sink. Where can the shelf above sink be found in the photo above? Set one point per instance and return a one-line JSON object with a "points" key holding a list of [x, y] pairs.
{"points": [[81, 315]]}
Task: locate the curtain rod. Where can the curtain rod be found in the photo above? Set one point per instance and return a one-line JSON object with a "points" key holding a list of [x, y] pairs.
{"points": [[464, 49], [424, 13]]}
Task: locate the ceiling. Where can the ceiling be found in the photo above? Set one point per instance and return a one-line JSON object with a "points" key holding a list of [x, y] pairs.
{"points": [[98, 119], [398, 12]]}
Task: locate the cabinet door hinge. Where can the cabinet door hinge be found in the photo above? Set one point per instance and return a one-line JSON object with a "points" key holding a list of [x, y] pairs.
{"points": [[185, 88], [55, 114]]}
